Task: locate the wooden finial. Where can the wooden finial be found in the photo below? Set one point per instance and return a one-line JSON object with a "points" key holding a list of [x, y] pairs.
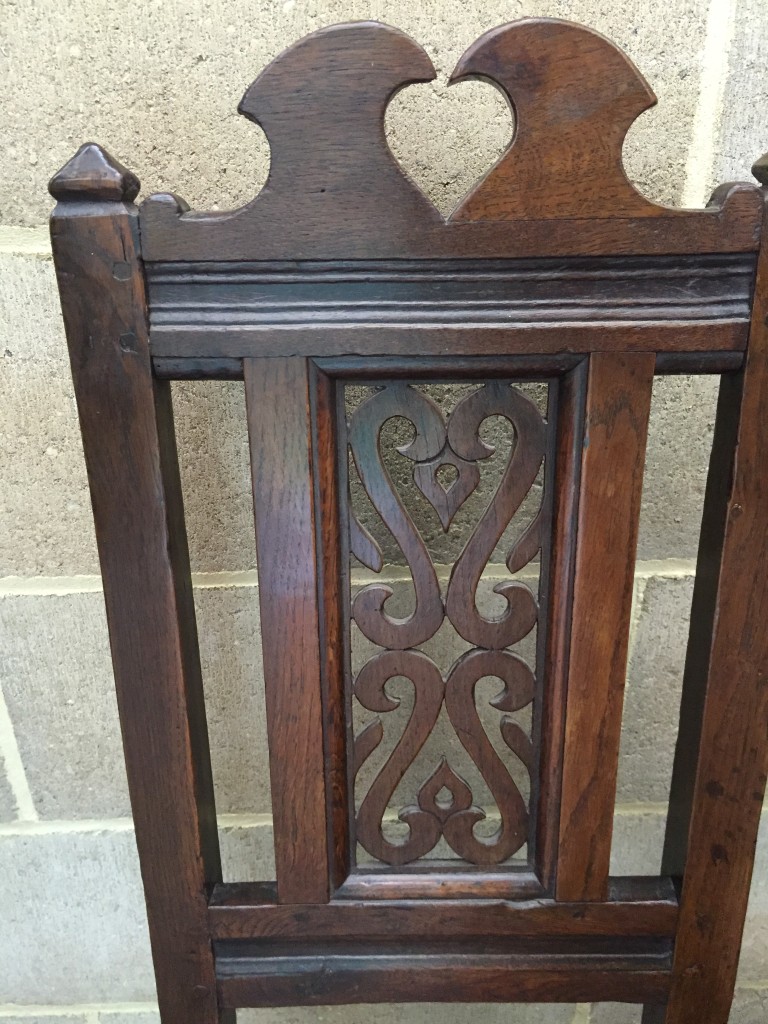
{"points": [[760, 169], [93, 174]]}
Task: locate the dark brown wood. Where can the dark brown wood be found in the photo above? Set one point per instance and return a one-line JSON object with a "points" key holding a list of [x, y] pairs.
{"points": [[413, 368], [321, 977], [441, 880], [722, 758], [446, 340], [436, 444], [641, 906], [565, 458], [575, 96], [554, 269], [618, 402], [332, 567], [280, 431], [130, 451]]}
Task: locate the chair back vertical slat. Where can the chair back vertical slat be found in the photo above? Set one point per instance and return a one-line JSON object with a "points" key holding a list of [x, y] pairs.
{"points": [[280, 431], [617, 407]]}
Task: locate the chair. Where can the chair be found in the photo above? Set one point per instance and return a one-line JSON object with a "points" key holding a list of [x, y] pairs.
{"points": [[339, 273]]}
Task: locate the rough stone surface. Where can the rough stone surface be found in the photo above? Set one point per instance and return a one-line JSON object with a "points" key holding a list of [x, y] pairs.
{"points": [[638, 837], [131, 88], [214, 462], [58, 683], [749, 1007], [44, 504], [654, 683], [149, 1017], [76, 891], [77, 1018], [45, 510], [8, 809], [753, 966], [742, 137], [81, 890], [679, 443], [615, 1013], [414, 1013]]}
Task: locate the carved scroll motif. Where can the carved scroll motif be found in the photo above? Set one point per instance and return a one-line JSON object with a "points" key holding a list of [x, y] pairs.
{"points": [[445, 469]]}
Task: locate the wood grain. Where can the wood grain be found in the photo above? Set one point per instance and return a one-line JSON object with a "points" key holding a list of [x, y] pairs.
{"points": [[446, 340], [636, 906], [554, 639], [613, 456], [321, 977], [280, 432]]}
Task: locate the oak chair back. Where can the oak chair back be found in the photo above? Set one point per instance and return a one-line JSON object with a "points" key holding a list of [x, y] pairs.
{"points": [[341, 296]]}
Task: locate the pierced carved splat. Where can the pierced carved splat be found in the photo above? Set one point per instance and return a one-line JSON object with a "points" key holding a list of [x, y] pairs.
{"points": [[443, 803]]}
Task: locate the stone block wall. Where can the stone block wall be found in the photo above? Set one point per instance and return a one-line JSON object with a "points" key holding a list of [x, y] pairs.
{"points": [[158, 85]]}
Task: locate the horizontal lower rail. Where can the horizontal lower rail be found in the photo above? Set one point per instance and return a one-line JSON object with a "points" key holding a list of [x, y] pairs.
{"points": [[636, 907], [325, 978]]}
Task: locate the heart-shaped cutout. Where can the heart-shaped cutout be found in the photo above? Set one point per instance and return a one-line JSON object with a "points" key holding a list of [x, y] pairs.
{"points": [[446, 139]]}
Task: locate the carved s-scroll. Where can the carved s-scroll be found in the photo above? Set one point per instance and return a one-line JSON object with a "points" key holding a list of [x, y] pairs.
{"points": [[518, 691], [518, 478], [364, 437], [369, 690]]}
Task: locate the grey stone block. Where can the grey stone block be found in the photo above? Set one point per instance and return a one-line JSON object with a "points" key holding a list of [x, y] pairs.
{"points": [[78, 891], [413, 1013], [58, 683], [654, 684], [615, 1013], [150, 91], [8, 809], [45, 509], [638, 838], [214, 462], [750, 1006], [47, 1018], [247, 852], [679, 443], [140, 1017], [81, 890], [742, 136], [409, 1013]]}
